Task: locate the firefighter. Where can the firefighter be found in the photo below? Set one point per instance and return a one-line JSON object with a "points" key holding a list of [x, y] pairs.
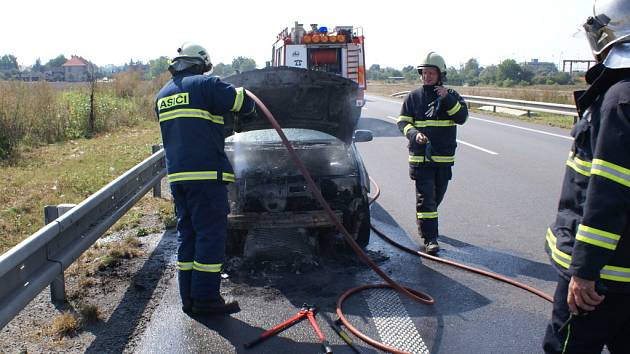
{"points": [[191, 109], [589, 242], [428, 118]]}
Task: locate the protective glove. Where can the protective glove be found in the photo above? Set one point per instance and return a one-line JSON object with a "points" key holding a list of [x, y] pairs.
{"points": [[248, 117], [241, 119]]}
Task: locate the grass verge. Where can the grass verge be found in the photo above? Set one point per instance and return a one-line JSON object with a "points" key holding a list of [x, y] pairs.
{"points": [[68, 173]]}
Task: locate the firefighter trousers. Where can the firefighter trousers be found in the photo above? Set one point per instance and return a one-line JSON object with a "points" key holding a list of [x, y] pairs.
{"points": [[608, 324], [431, 184], [201, 210]]}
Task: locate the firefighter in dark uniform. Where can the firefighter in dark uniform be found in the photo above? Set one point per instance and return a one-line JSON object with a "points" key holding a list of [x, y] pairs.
{"points": [[428, 119], [191, 109], [589, 242]]}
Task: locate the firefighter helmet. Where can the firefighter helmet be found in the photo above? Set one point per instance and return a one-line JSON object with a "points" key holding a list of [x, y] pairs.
{"points": [[610, 24], [433, 60], [192, 53]]}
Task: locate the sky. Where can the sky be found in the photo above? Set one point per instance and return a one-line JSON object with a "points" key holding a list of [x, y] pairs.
{"points": [[397, 33]]}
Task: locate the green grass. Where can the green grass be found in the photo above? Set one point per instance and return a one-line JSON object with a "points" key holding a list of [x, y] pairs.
{"points": [[68, 173]]}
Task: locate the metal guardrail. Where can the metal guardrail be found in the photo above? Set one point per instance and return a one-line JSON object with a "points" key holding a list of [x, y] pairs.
{"points": [[528, 106], [40, 260]]}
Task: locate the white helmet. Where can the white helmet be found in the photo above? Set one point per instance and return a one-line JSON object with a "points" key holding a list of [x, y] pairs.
{"points": [[609, 25], [191, 54]]}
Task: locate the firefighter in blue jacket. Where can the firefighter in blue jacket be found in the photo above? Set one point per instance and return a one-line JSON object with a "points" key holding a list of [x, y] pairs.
{"points": [[589, 242], [191, 109], [427, 119]]}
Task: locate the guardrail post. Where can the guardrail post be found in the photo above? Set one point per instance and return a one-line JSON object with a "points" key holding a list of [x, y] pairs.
{"points": [[58, 285], [157, 189]]}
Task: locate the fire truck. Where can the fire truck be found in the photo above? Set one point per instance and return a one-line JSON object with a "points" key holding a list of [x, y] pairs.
{"points": [[339, 51]]}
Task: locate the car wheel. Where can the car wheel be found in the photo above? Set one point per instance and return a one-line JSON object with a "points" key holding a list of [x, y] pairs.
{"points": [[364, 227], [235, 244]]}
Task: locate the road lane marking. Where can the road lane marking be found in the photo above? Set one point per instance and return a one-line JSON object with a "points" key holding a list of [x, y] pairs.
{"points": [[477, 147], [462, 142], [523, 128], [379, 99], [392, 321]]}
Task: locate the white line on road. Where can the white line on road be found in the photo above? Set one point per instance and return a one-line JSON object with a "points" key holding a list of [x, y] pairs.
{"points": [[519, 127], [477, 147], [462, 142], [381, 99]]}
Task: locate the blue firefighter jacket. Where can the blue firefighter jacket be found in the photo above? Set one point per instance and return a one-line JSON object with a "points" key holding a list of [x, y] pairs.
{"points": [[191, 109]]}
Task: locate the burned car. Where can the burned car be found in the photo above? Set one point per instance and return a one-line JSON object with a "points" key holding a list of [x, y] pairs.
{"points": [[318, 114]]}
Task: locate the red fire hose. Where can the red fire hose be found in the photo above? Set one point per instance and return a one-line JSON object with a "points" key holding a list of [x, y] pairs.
{"points": [[390, 283]]}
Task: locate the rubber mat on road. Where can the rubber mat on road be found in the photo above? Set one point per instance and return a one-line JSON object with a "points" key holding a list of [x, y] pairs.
{"points": [[392, 321]]}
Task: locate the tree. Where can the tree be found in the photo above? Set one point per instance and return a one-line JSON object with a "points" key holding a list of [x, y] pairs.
{"points": [[508, 70], [410, 73], [56, 62], [223, 70], [470, 72], [8, 62], [562, 78], [454, 77], [242, 64], [488, 75], [373, 72], [374, 67], [38, 67], [510, 73], [158, 66]]}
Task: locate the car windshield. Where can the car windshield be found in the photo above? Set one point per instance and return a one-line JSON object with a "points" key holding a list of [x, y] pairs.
{"points": [[270, 136]]}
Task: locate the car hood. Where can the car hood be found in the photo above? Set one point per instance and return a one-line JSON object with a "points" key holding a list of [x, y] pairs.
{"points": [[300, 98]]}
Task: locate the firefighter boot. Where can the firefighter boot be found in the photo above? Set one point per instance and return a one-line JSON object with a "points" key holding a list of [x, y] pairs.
{"points": [[215, 307], [431, 247]]}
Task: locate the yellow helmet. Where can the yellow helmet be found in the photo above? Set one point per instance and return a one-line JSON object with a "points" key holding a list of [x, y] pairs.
{"points": [[433, 60], [192, 53]]}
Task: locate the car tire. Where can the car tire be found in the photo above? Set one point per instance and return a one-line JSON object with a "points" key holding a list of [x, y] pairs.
{"points": [[235, 245], [364, 227]]}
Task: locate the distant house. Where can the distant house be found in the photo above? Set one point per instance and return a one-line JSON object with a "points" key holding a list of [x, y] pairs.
{"points": [[538, 66], [76, 69]]}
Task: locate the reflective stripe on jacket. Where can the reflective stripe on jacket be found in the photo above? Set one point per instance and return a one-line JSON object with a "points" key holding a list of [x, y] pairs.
{"points": [[191, 109], [590, 237], [425, 112]]}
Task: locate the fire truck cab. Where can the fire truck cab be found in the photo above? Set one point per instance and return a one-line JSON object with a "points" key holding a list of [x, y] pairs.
{"points": [[338, 51]]}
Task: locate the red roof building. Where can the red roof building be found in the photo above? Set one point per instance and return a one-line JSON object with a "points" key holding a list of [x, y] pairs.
{"points": [[76, 69]]}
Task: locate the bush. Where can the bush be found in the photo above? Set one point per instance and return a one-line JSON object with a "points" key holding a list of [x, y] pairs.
{"points": [[34, 113], [65, 324]]}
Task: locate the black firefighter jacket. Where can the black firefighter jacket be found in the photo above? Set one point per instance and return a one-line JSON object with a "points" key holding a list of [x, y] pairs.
{"points": [[424, 111], [591, 235]]}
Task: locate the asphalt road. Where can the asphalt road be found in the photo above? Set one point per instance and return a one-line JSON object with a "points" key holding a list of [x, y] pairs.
{"points": [[506, 182]]}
